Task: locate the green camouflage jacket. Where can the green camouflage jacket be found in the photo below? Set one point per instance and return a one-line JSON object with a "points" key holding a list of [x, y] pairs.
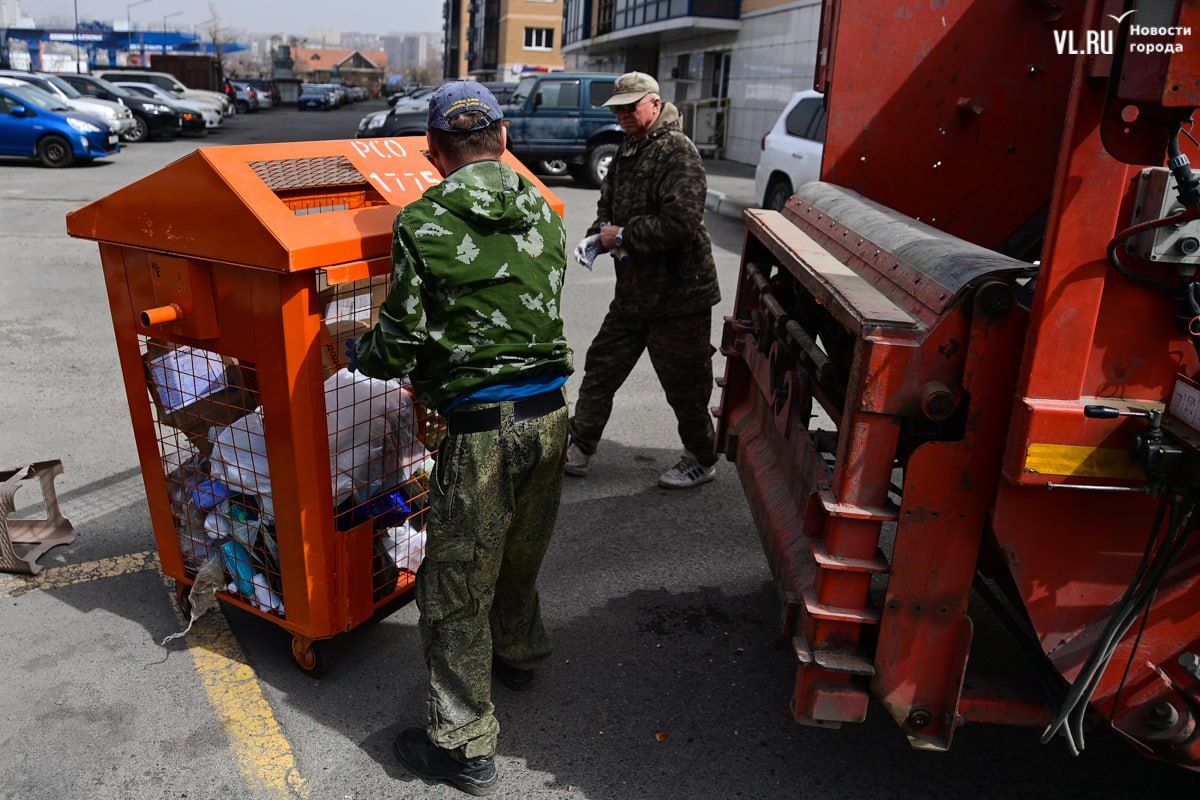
{"points": [[656, 189], [477, 275]]}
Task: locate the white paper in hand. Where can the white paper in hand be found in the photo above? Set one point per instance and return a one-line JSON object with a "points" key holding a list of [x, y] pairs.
{"points": [[587, 250]]}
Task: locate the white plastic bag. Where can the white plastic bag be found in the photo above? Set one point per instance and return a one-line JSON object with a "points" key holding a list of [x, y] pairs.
{"points": [[239, 459], [372, 442]]}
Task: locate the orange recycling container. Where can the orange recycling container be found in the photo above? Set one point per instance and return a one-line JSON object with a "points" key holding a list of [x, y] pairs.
{"points": [[234, 277]]}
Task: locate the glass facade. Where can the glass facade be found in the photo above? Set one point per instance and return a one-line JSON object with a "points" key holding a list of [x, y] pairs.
{"points": [[617, 15], [577, 20]]}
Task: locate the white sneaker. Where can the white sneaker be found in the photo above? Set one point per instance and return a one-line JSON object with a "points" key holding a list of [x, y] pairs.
{"points": [[577, 461], [686, 473]]}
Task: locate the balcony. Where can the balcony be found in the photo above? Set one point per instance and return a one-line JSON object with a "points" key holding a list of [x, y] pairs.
{"points": [[620, 23]]}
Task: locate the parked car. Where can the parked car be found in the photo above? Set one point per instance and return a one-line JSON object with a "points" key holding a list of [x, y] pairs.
{"points": [[390, 122], [415, 100], [557, 122], [791, 150], [503, 92], [40, 125], [197, 117], [116, 115], [169, 83], [245, 97], [151, 116], [313, 96], [267, 89]]}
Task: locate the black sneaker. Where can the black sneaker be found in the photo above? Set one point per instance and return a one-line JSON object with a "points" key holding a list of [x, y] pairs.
{"points": [[424, 758], [516, 679]]}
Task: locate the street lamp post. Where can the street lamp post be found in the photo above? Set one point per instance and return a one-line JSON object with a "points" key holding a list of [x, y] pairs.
{"points": [[198, 24], [129, 23], [77, 69], [165, 18]]}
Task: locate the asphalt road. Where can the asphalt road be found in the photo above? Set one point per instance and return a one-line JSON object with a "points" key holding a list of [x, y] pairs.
{"points": [[670, 678]]}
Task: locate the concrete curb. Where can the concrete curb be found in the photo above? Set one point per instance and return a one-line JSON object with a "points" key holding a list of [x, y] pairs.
{"points": [[721, 203]]}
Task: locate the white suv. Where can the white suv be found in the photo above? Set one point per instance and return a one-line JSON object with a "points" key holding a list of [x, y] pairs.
{"points": [[791, 151]]}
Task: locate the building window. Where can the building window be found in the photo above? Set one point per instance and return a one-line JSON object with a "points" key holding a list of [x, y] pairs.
{"points": [[539, 38]]}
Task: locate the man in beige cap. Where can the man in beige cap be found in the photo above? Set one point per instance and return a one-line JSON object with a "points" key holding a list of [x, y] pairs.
{"points": [[651, 213]]}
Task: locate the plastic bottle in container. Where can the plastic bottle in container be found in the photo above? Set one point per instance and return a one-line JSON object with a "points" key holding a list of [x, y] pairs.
{"points": [[237, 563], [387, 509]]}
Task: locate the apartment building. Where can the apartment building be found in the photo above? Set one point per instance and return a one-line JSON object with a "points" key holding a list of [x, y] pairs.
{"points": [[498, 40], [730, 65]]}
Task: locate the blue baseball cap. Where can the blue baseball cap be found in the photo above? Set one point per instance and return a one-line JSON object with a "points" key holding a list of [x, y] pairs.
{"points": [[455, 97]]}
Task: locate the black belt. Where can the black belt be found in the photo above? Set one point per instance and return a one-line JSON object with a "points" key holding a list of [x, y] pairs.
{"points": [[477, 420]]}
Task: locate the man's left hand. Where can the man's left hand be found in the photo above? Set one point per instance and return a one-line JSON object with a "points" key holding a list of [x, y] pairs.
{"points": [[352, 354], [608, 236]]}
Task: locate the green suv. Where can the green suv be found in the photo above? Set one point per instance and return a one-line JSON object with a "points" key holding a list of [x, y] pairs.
{"points": [[557, 123]]}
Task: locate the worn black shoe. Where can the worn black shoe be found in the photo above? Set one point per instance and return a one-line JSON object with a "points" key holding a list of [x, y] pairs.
{"points": [[424, 758], [516, 679]]}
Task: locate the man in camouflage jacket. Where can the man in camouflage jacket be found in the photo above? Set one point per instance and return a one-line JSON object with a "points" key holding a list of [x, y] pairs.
{"points": [[651, 215], [472, 316]]}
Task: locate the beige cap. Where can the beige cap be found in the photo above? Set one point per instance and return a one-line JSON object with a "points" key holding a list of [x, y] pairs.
{"points": [[631, 87]]}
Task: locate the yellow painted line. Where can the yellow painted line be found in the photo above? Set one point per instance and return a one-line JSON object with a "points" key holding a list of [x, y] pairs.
{"points": [[57, 577], [264, 755], [1082, 462]]}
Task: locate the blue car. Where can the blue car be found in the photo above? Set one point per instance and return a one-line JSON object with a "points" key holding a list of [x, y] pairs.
{"points": [[35, 123], [313, 97]]}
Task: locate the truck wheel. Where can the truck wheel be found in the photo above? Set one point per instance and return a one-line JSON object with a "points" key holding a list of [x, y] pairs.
{"points": [[141, 131], [55, 151], [598, 162], [777, 194]]}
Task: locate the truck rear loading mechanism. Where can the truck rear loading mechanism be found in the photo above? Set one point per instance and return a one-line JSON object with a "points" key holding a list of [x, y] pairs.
{"points": [[967, 359]]}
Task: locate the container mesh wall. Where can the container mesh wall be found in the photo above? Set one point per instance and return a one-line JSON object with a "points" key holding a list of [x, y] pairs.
{"points": [[211, 433], [381, 440]]}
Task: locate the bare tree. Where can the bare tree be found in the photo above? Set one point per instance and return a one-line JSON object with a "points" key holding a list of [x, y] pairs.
{"points": [[429, 73]]}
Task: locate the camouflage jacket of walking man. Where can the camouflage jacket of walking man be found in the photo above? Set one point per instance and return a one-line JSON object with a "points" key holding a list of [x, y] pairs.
{"points": [[472, 317], [651, 212]]}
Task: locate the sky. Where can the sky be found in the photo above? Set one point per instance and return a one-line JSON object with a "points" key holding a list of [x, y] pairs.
{"points": [[291, 17]]}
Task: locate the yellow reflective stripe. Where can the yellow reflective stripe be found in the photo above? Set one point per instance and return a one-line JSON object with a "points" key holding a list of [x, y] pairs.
{"points": [[1081, 462]]}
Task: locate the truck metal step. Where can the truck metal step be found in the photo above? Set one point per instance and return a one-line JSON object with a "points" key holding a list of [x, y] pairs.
{"points": [[832, 660]]}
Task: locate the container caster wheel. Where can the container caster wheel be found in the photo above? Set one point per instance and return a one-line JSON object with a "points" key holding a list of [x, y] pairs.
{"points": [[310, 656], [182, 590]]}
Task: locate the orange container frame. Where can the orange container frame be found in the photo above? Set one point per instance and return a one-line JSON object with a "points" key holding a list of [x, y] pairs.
{"points": [[262, 259]]}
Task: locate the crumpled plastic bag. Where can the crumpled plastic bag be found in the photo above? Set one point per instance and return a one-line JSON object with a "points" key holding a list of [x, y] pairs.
{"points": [[372, 442], [239, 458], [587, 250], [372, 439], [210, 579]]}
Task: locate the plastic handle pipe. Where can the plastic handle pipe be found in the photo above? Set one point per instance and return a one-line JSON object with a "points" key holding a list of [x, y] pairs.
{"points": [[161, 315]]}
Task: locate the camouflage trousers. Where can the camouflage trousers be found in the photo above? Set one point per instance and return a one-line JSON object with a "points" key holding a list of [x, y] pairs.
{"points": [[494, 499], [682, 358]]}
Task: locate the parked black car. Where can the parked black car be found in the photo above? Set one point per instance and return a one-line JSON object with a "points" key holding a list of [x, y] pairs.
{"points": [[386, 123], [152, 117]]}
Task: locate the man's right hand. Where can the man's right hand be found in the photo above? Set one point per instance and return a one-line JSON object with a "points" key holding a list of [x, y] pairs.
{"points": [[352, 354]]}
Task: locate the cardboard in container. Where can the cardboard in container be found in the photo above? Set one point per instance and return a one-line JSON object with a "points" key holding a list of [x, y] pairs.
{"points": [[349, 310], [194, 389]]}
